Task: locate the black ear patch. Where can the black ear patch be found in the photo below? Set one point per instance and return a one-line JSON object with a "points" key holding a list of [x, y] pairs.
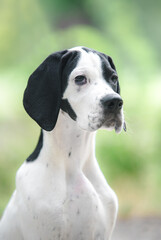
{"points": [[43, 93], [42, 97]]}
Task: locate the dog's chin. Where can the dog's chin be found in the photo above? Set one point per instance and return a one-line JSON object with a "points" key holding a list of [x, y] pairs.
{"points": [[114, 124], [109, 123]]}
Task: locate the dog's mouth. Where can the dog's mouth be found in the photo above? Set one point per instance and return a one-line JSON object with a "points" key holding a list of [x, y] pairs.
{"points": [[109, 121], [114, 121]]}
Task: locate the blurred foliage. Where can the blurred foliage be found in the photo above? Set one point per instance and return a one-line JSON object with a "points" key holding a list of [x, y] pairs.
{"points": [[127, 30]]}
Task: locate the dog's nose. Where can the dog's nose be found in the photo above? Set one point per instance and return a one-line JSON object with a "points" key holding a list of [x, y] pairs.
{"points": [[112, 103]]}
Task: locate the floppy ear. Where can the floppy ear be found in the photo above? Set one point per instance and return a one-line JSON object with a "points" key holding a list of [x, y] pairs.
{"points": [[42, 96]]}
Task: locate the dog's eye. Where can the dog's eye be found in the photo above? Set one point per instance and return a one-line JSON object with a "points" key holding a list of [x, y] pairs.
{"points": [[114, 78], [80, 80]]}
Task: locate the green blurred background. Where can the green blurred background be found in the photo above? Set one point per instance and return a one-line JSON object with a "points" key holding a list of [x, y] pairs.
{"points": [[127, 30]]}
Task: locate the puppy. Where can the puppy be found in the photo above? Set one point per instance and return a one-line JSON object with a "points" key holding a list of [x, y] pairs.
{"points": [[61, 193]]}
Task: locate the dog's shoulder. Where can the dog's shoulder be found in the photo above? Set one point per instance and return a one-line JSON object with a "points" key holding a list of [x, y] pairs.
{"points": [[35, 179]]}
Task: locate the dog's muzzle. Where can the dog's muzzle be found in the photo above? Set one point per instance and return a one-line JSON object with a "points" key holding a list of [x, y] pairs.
{"points": [[112, 106]]}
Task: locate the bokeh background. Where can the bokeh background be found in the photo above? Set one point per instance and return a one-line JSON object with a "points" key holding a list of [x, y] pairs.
{"points": [[127, 30]]}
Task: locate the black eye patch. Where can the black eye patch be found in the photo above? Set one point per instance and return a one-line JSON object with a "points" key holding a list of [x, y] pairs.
{"points": [[114, 79], [109, 72]]}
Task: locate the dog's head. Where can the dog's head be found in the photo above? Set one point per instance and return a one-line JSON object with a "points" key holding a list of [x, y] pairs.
{"points": [[80, 81]]}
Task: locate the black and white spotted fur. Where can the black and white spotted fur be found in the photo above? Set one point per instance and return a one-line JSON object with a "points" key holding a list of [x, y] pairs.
{"points": [[61, 193]]}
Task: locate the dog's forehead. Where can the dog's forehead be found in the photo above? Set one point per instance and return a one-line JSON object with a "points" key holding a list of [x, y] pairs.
{"points": [[95, 61]]}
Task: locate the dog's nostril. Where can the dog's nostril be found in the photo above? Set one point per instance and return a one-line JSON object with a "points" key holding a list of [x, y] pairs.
{"points": [[120, 104], [111, 104]]}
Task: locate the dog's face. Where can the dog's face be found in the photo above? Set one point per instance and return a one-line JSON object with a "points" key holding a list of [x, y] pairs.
{"points": [[80, 81], [93, 92]]}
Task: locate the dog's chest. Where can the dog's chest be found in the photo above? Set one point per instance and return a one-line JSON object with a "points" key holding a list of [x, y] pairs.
{"points": [[66, 208], [84, 210]]}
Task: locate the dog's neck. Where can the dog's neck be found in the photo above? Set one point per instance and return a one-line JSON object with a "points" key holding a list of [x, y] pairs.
{"points": [[68, 145]]}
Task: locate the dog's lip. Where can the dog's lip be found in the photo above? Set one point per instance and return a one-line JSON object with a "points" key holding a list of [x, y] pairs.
{"points": [[118, 128], [114, 122]]}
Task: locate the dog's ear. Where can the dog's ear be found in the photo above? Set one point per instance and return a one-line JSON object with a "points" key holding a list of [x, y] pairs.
{"points": [[42, 96]]}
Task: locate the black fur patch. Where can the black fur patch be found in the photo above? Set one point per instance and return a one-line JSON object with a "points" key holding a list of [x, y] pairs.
{"points": [[66, 107], [88, 49], [42, 97], [68, 63], [43, 92], [46, 86], [37, 150], [107, 71]]}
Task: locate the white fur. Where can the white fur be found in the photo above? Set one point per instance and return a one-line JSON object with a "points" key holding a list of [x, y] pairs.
{"points": [[85, 100], [63, 195]]}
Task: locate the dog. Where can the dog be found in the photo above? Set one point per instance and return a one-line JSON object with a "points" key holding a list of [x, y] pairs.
{"points": [[61, 193]]}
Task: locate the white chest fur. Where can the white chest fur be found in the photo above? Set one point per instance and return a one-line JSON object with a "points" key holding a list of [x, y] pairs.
{"points": [[65, 209], [63, 195]]}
